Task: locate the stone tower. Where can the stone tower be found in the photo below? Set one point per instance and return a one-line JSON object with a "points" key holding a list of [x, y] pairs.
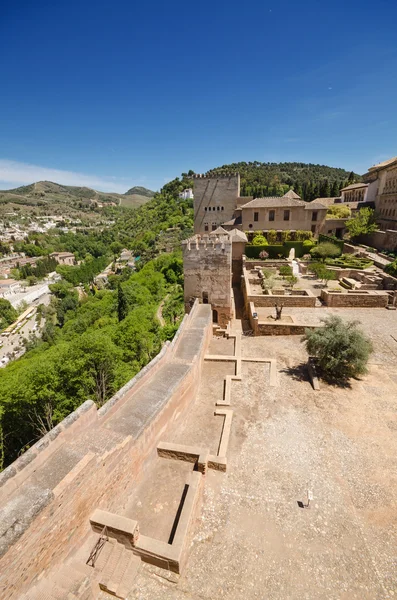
{"points": [[207, 266], [215, 200]]}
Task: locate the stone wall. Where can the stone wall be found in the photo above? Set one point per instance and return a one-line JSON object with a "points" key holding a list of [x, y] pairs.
{"points": [[46, 518], [381, 240], [364, 299]]}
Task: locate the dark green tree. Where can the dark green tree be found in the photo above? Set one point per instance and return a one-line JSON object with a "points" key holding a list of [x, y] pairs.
{"points": [[122, 304]]}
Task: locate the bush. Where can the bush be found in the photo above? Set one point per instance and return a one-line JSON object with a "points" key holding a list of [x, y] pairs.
{"points": [[267, 273], [325, 250], [272, 236], [308, 245], [350, 261], [391, 269], [259, 240], [263, 255], [341, 348], [285, 271]]}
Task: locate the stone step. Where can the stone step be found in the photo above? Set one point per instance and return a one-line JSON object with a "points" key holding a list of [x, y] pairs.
{"points": [[110, 566], [119, 572], [103, 556], [130, 574]]}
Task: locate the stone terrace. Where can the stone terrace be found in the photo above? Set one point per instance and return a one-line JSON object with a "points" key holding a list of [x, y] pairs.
{"points": [[253, 539]]}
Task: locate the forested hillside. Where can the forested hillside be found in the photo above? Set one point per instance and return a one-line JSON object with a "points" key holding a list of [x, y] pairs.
{"points": [[274, 179], [94, 340]]}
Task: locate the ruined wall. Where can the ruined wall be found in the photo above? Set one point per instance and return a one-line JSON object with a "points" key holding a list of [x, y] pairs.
{"points": [[303, 298], [364, 299], [42, 539], [207, 267], [215, 200]]}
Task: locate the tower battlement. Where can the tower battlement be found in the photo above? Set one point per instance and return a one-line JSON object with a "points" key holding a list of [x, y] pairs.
{"points": [[208, 175], [207, 243]]}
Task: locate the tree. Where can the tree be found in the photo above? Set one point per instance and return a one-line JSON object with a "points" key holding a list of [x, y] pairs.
{"points": [[325, 250], [362, 224], [122, 304], [8, 314], [341, 348], [338, 211]]}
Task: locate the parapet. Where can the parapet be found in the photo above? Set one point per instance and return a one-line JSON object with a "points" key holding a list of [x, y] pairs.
{"points": [[207, 243], [209, 175]]}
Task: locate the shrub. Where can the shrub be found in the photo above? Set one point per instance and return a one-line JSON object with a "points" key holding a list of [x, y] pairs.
{"points": [[267, 273], [325, 250], [285, 235], [391, 269], [308, 244], [272, 236], [285, 271], [341, 348], [263, 255], [302, 235], [259, 240]]}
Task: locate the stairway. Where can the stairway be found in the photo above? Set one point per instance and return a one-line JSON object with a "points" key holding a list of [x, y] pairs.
{"points": [[118, 569]]}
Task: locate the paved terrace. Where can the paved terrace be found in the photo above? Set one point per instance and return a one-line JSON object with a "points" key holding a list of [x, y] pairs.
{"points": [[253, 540]]}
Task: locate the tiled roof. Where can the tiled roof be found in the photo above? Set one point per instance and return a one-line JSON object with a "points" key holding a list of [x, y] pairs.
{"points": [[355, 186], [385, 163], [273, 202], [315, 206], [218, 230], [291, 194], [326, 201], [238, 236]]}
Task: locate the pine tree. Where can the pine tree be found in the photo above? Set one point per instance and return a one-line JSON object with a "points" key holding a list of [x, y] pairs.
{"points": [[122, 304]]}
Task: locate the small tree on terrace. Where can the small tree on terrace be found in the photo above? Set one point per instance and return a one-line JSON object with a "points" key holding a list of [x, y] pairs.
{"points": [[325, 250], [341, 348]]}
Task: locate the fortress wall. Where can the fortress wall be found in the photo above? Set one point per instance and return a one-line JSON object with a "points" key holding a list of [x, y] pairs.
{"points": [[15, 474], [98, 481], [215, 200]]}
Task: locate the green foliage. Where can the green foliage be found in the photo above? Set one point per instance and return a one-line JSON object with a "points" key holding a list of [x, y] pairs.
{"points": [[363, 223], [122, 304], [391, 268], [8, 314], [274, 179], [272, 236], [285, 271], [308, 245], [267, 273], [325, 250], [349, 261], [338, 211], [322, 273], [341, 349], [259, 240]]}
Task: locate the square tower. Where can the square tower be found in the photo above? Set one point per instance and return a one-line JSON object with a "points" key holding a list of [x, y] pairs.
{"points": [[215, 200], [207, 268]]}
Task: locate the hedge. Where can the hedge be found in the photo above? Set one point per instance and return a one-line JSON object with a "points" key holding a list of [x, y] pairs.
{"points": [[274, 250], [332, 240]]}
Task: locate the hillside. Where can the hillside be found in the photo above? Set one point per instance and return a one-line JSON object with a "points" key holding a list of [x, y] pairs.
{"points": [[273, 179], [47, 193]]}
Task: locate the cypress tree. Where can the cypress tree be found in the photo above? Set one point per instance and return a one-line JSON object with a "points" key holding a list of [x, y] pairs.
{"points": [[122, 305]]}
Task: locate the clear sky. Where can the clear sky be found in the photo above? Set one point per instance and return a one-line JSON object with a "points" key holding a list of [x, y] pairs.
{"points": [[117, 93]]}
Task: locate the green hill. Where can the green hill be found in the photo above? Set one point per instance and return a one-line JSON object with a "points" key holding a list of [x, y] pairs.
{"points": [[46, 194], [273, 179]]}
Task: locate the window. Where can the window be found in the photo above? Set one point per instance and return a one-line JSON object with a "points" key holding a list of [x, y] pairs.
{"points": [[221, 207], [217, 208], [205, 208], [250, 225], [213, 226], [314, 216], [206, 227], [313, 229], [286, 215], [205, 297], [271, 215], [256, 216]]}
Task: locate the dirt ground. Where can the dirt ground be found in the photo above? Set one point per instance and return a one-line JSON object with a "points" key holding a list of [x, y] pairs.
{"points": [[253, 538]]}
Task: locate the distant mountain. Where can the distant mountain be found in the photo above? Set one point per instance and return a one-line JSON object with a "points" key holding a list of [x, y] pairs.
{"points": [[44, 193], [141, 191]]}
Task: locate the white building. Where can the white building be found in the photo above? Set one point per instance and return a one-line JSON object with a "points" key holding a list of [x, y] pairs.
{"points": [[187, 194]]}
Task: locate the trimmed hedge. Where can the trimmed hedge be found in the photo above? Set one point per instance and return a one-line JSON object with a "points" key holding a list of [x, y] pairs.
{"points": [[274, 250], [332, 240]]}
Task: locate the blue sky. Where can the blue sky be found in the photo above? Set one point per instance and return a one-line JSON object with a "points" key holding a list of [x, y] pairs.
{"points": [[122, 93]]}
